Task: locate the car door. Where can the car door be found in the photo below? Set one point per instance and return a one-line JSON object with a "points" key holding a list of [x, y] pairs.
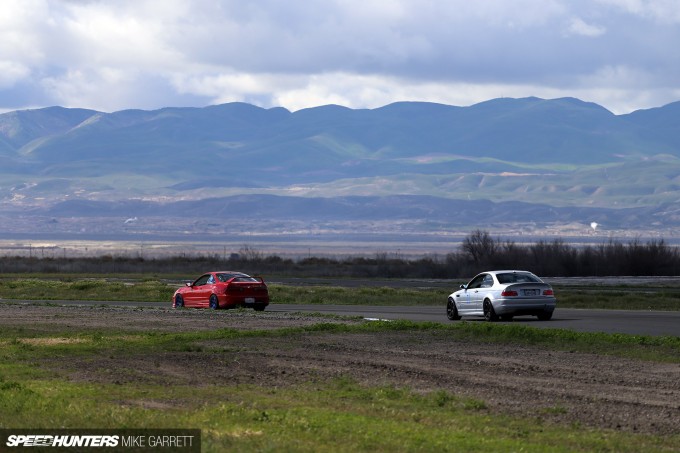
{"points": [[467, 304], [198, 293], [208, 290], [478, 295]]}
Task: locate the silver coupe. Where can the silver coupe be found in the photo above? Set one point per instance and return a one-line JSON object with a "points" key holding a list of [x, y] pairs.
{"points": [[502, 294]]}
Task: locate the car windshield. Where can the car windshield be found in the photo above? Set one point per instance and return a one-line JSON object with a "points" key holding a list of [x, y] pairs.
{"points": [[238, 277], [517, 277]]}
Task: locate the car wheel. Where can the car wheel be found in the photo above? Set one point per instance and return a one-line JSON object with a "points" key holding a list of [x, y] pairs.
{"points": [[452, 311], [214, 303], [179, 302], [489, 313], [546, 316], [258, 307]]}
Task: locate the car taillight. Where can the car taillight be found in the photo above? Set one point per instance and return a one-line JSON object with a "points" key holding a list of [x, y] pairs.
{"points": [[547, 292], [509, 293]]}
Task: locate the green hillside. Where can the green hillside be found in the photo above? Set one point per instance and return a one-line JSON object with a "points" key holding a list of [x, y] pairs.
{"points": [[562, 153]]}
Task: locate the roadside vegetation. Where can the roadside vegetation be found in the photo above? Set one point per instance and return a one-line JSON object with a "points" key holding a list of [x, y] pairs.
{"points": [[336, 414], [478, 252], [117, 278], [150, 289]]}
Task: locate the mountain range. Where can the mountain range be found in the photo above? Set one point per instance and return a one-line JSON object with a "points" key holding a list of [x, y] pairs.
{"points": [[502, 163]]}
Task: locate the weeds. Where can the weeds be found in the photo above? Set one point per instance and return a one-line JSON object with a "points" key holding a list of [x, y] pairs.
{"points": [[145, 289], [338, 414]]}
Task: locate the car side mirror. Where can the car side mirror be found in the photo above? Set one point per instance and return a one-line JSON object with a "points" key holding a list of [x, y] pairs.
{"points": [[463, 286], [188, 284]]}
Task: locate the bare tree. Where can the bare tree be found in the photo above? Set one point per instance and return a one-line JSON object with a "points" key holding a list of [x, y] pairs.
{"points": [[480, 246], [248, 253]]}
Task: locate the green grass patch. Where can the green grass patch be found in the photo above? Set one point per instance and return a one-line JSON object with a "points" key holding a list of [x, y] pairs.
{"points": [[337, 415], [663, 348], [653, 348], [340, 415], [319, 415], [624, 298], [86, 289], [150, 289], [336, 295]]}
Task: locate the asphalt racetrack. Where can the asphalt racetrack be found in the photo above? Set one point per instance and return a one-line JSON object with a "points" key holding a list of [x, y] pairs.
{"points": [[608, 321], [634, 322]]}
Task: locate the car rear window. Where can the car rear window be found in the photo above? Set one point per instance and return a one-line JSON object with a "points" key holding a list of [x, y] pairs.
{"points": [[236, 277], [517, 277], [246, 279]]}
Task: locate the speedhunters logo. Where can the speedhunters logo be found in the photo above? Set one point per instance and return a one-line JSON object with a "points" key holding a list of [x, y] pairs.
{"points": [[71, 440], [46, 440]]}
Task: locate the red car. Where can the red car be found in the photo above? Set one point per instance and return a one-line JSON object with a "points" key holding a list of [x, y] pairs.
{"points": [[223, 289]]}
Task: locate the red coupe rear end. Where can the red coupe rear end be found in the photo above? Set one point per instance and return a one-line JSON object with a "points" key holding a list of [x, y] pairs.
{"points": [[223, 289], [247, 292]]}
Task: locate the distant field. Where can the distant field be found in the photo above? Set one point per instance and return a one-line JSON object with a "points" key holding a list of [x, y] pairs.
{"points": [[338, 240]]}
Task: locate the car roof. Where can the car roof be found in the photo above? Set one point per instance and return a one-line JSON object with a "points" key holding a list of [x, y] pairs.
{"points": [[226, 272], [508, 271]]}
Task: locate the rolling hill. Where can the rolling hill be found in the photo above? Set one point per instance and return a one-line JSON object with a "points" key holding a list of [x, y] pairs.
{"points": [[561, 160]]}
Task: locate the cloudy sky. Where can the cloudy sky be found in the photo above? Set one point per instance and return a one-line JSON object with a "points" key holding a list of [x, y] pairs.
{"points": [[119, 54]]}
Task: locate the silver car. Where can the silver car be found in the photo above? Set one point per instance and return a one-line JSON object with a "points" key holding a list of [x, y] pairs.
{"points": [[502, 294]]}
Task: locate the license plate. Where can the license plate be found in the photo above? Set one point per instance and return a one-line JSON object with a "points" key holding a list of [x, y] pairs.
{"points": [[531, 292], [250, 300]]}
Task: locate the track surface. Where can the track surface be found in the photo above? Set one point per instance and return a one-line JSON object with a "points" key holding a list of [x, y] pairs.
{"points": [[609, 321]]}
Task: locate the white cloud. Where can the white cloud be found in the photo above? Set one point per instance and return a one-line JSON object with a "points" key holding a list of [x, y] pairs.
{"points": [[359, 53], [19, 40], [105, 33], [11, 72], [372, 91], [579, 27], [88, 87], [665, 11]]}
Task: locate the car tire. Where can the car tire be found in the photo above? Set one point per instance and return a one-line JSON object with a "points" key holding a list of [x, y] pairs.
{"points": [[546, 316], [452, 311], [258, 307], [489, 313], [179, 301], [214, 302]]}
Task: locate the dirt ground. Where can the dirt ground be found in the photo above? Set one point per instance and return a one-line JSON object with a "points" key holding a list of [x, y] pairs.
{"points": [[566, 387]]}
